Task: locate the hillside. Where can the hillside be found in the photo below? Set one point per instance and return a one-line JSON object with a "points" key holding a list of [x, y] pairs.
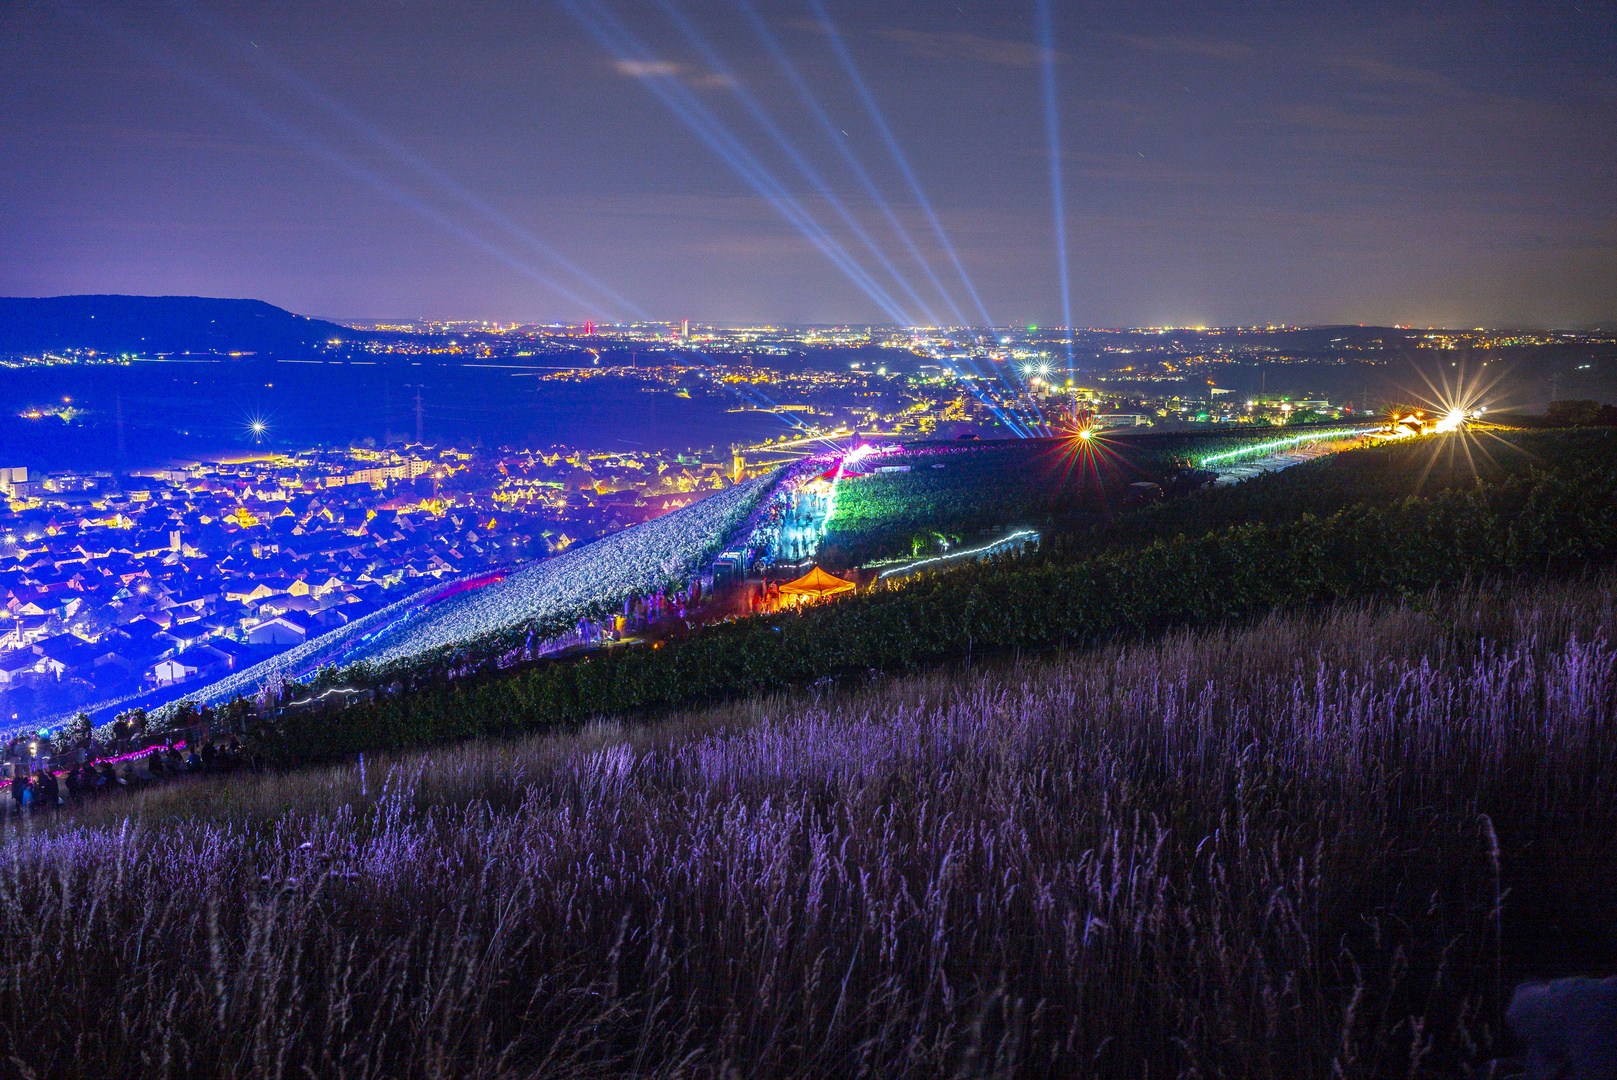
{"points": [[146, 325], [1324, 844], [1295, 777], [552, 594], [1363, 524]]}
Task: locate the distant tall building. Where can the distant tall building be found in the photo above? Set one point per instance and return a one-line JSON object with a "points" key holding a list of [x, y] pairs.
{"points": [[684, 329], [589, 329]]}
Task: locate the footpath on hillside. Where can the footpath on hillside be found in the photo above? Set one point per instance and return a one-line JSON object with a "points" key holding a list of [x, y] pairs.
{"points": [[1234, 473]]}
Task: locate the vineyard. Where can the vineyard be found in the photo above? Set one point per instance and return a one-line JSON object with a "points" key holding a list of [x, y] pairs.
{"points": [[1298, 777], [951, 493], [1379, 475], [549, 597], [954, 494], [1555, 511]]}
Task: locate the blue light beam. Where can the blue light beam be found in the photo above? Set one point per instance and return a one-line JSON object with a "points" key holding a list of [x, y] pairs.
{"points": [[403, 156], [240, 102], [622, 43], [776, 135], [897, 151], [1052, 131], [891, 140], [833, 134]]}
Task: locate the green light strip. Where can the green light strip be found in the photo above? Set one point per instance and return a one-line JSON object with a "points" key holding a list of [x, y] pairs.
{"points": [[1277, 444]]}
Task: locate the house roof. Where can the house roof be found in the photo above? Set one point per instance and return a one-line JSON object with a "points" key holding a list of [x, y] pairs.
{"points": [[295, 619], [18, 660]]}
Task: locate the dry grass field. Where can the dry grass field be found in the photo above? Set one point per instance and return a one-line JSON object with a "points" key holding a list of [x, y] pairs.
{"points": [[1316, 845]]}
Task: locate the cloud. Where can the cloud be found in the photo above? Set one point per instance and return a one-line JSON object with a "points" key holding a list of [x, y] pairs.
{"points": [[1176, 45], [668, 69], [1334, 119], [648, 69], [1375, 70], [713, 80], [968, 48]]}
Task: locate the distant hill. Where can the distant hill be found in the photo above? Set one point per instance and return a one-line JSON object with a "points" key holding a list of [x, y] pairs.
{"points": [[158, 324], [1324, 339]]}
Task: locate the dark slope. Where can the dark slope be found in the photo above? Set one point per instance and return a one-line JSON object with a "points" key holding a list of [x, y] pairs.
{"points": [[158, 324]]}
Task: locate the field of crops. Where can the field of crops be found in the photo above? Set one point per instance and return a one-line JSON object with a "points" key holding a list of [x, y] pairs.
{"points": [[1295, 778], [958, 493], [949, 492], [548, 597], [1327, 531]]}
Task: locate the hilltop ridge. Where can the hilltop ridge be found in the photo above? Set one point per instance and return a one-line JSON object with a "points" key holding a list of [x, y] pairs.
{"points": [[158, 324]]}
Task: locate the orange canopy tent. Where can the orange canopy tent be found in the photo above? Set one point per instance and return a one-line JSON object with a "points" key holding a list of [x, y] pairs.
{"points": [[814, 585]]}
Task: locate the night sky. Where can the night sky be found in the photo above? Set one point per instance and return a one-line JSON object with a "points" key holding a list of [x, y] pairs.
{"points": [[1448, 164]]}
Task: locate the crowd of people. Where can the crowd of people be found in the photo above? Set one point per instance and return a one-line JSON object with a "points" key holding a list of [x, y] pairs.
{"points": [[46, 789]]}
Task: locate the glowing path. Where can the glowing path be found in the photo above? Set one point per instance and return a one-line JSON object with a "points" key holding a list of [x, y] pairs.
{"points": [[1021, 534], [1281, 444], [549, 596]]}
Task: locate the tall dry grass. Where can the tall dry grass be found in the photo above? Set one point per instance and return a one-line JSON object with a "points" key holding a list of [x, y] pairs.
{"points": [[1309, 847]]}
